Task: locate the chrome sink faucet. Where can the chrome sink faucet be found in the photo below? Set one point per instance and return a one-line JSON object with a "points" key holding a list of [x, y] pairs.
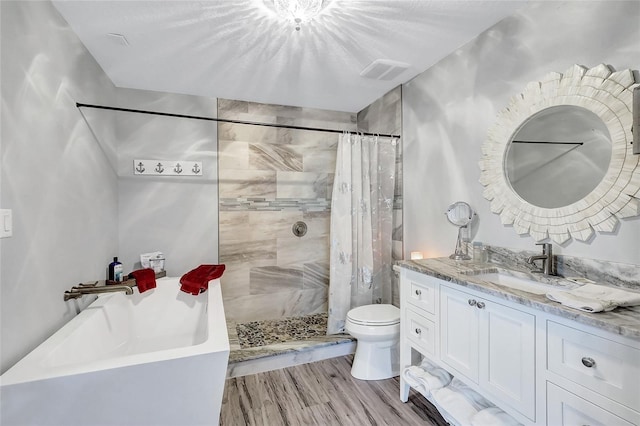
{"points": [[547, 257], [82, 289]]}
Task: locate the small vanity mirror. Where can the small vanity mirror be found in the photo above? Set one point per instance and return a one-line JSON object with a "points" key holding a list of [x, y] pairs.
{"points": [[461, 215], [558, 161], [558, 156]]}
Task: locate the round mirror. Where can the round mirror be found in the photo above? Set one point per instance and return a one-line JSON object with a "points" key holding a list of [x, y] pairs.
{"points": [[558, 156], [558, 161], [460, 213]]}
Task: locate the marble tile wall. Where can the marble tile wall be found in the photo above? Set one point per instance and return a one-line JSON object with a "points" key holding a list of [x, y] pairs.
{"points": [[385, 116], [270, 178]]}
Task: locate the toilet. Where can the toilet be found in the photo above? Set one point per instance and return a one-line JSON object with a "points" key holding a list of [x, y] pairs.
{"points": [[377, 330]]}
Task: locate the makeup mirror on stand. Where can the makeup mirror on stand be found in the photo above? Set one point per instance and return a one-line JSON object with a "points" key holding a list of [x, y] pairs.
{"points": [[461, 215]]}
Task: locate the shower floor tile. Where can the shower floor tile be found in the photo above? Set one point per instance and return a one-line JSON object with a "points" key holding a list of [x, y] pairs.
{"points": [[262, 333], [292, 341]]}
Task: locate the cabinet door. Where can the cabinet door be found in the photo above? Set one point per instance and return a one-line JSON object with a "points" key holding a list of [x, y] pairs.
{"points": [[507, 355], [567, 409], [459, 332]]}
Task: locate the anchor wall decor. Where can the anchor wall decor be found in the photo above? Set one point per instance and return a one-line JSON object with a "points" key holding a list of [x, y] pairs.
{"points": [[167, 167]]}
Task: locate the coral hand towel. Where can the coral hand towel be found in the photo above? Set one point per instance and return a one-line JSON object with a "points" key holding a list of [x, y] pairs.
{"points": [[197, 280], [145, 279]]}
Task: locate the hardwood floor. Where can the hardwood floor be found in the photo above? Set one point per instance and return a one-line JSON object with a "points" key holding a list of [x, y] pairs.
{"points": [[321, 393]]}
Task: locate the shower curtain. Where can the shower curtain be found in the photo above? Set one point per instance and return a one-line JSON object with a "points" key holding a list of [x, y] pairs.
{"points": [[361, 225]]}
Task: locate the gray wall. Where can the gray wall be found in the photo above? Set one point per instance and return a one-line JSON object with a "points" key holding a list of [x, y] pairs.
{"points": [[55, 177], [172, 214], [448, 109]]}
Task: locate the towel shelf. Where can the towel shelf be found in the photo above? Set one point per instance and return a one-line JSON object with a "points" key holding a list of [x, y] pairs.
{"points": [[131, 281]]}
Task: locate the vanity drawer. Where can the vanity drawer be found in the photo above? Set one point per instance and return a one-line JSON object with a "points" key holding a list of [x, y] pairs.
{"points": [[604, 366], [565, 408], [422, 294], [421, 331]]}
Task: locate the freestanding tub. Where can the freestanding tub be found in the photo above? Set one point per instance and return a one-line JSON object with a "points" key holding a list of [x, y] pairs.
{"points": [[157, 358]]}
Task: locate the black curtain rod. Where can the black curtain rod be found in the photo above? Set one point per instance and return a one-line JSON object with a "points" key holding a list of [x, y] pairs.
{"points": [[225, 120], [550, 143]]}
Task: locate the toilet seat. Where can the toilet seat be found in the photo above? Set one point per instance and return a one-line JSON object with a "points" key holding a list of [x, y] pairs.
{"points": [[374, 315]]}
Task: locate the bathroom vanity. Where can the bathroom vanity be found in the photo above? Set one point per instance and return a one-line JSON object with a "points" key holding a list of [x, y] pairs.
{"points": [[540, 362]]}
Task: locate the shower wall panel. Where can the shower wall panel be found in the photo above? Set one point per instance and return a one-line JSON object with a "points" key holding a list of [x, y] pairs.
{"points": [[270, 178]]}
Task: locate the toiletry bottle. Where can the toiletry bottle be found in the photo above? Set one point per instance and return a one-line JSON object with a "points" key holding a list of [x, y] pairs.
{"points": [[115, 270], [478, 252]]}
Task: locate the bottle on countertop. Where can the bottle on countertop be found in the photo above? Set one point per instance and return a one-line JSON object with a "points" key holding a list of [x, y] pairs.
{"points": [[479, 252], [115, 270]]}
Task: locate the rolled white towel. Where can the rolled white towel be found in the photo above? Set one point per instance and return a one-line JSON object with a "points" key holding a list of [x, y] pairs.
{"points": [[439, 376], [454, 405], [460, 402], [423, 381], [473, 397], [594, 298], [412, 376], [426, 381], [493, 416]]}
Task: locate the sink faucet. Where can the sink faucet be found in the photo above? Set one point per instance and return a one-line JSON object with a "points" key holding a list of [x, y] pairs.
{"points": [[82, 289], [547, 257]]}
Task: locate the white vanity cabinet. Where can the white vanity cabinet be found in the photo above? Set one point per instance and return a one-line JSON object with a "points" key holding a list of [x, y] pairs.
{"points": [[473, 337], [491, 344], [541, 368]]}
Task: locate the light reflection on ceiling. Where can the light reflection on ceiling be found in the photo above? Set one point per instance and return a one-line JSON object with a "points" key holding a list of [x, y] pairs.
{"points": [[240, 49]]}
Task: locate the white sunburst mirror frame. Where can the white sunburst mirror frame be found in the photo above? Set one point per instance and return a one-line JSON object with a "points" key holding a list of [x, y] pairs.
{"points": [[609, 95]]}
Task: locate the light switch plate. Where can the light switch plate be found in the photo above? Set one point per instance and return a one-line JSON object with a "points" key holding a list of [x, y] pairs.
{"points": [[6, 223]]}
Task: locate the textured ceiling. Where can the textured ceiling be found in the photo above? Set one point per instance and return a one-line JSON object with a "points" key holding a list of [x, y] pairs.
{"points": [[239, 49]]}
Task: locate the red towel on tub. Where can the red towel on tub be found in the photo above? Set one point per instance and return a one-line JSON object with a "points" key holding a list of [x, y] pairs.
{"points": [[145, 279], [197, 280]]}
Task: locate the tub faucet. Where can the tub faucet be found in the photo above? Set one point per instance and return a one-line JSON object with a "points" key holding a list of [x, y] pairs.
{"points": [[547, 257], [82, 289]]}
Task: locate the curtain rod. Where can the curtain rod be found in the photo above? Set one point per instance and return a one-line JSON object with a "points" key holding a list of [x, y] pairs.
{"points": [[225, 120]]}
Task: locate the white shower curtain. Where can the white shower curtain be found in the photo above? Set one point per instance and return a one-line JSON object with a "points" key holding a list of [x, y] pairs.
{"points": [[361, 225]]}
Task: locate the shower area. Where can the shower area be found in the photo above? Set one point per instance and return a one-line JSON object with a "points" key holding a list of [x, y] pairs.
{"points": [[274, 208]]}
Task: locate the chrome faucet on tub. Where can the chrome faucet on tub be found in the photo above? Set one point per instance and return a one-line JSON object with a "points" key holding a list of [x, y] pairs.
{"points": [[547, 257], [82, 289]]}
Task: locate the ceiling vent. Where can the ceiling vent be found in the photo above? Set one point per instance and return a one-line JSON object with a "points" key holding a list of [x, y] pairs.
{"points": [[384, 69]]}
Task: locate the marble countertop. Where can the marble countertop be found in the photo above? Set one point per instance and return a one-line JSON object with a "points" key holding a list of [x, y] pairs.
{"points": [[621, 321]]}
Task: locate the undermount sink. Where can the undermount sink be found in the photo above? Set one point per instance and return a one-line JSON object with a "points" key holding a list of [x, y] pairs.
{"points": [[519, 281]]}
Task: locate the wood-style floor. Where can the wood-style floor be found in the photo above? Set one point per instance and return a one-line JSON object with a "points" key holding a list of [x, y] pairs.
{"points": [[321, 393]]}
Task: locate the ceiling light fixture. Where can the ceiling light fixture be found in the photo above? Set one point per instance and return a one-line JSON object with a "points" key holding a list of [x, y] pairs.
{"points": [[299, 11]]}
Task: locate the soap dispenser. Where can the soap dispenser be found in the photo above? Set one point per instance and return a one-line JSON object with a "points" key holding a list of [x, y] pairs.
{"points": [[115, 270]]}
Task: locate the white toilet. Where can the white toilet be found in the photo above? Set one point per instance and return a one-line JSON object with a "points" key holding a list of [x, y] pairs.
{"points": [[377, 329]]}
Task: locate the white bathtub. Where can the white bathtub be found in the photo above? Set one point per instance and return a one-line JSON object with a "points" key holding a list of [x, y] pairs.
{"points": [[157, 358]]}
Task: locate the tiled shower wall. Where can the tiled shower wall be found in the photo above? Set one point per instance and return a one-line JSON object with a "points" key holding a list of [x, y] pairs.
{"points": [[270, 178], [385, 116]]}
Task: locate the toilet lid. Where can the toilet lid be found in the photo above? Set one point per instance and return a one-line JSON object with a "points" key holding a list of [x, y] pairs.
{"points": [[375, 315]]}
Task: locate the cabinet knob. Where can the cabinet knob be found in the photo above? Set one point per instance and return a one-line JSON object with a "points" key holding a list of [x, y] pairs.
{"points": [[418, 292], [480, 305], [472, 302], [418, 331], [588, 362]]}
